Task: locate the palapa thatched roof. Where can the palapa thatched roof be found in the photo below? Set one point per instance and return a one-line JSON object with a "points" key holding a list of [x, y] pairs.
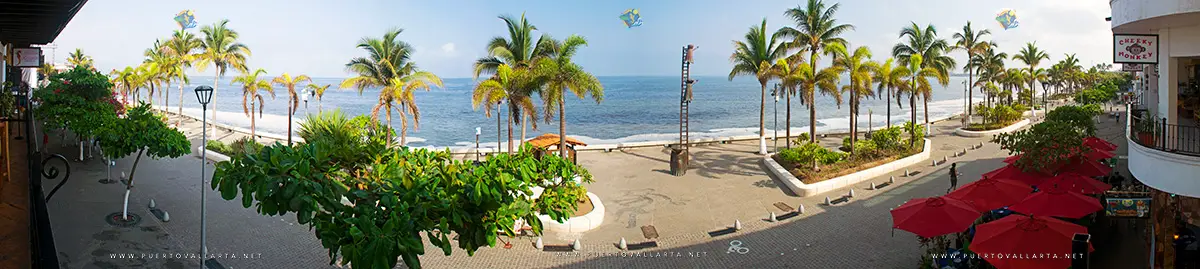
{"points": [[547, 140]]}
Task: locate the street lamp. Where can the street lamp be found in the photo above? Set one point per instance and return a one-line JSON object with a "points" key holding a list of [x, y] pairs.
{"points": [[477, 132], [307, 93], [775, 94], [204, 96]]}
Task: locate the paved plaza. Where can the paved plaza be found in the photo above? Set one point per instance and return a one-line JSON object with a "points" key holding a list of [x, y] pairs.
{"points": [[726, 182]]}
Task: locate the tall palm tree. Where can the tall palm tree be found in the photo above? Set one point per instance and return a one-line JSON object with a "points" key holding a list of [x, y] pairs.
{"points": [[289, 82], [77, 58], [920, 85], [562, 76], [859, 67], [251, 85], [1014, 78], [388, 67], [182, 48], [1031, 56], [518, 50], [505, 85], [815, 30], [788, 72], [163, 68], [972, 42], [147, 77], [1037, 75], [933, 51], [125, 80], [1072, 68], [753, 57], [826, 81], [220, 48], [890, 76], [318, 91]]}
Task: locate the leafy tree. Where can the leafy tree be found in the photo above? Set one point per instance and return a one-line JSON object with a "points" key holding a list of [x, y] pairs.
{"points": [[140, 132], [78, 100], [816, 29], [753, 57], [1044, 145], [372, 211], [220, 48], [1078, 116]]}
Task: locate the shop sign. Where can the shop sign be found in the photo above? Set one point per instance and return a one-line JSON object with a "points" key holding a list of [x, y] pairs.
{"points": [[1135, 49], [1131, 67], [1127, 207], [27, 57]]}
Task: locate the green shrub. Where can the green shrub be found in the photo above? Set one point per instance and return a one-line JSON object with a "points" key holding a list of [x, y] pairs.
{"points": [[808, 152], [1020, 108], [916, 134], [888, 138], [245, 145], [1077, 116], [219, 147]]}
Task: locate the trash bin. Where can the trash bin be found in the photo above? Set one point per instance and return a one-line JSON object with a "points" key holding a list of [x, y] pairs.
{"points": [[679, 161]]}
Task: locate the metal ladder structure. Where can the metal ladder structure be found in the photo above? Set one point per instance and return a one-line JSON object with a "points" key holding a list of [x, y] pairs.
{"points": [[684, 100]]}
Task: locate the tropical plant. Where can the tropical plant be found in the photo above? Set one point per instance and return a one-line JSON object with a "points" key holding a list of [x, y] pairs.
{"points": [[1073, 71], [859, 67], [158, 70], [181, 48], [140, 132], [815, 30], [518, 51], [220, 48], [753, 57], [77, 58], [126, 80], [289, 82], [45, 71], [890, 76], [932, 50], [318, 92], [562, 76], [505, 85], [1044, 145], [971, 42], [388, 67], [78, 100], [919, 84], [788, 72], [1077, 116], [1032, 56], [251, 85]]}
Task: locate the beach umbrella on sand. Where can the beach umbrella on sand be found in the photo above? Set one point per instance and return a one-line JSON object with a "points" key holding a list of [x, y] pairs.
{"points": [[1100, 144], [1057, 201], [1079, 183], [1026, 242], [989, 193], [1013, 173], [934, 216]]}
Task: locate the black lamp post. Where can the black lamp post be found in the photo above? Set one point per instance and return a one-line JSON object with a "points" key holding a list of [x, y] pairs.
{"points": [[204, 96], [775, 94]]}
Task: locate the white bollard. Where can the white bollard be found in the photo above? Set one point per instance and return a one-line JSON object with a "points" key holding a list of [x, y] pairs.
{"points": [[772, 217], [851, 192], [827, 201], [944, 159], [906, 173], [801, 210], [933, 163], [737, 225], [125, 208], [166, 216], [538, 244], [622, 245], [576, 245], [891, 179], [152, 203], [872, 186]]}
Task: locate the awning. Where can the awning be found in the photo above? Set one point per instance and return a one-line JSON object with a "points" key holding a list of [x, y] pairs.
{"points": [[547, 140], [24, 22]]}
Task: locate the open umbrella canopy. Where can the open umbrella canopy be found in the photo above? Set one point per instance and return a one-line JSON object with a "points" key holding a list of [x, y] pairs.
{"points": [[1101, 144], [1024, 242], [1013, 173], [990, 193], [1094, 154], [1085, 167], [1079, 183], [934, 216], [1056, 201]]}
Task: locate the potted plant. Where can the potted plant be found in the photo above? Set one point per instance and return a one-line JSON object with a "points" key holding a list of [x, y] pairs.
{"points": [[1145, 130]]}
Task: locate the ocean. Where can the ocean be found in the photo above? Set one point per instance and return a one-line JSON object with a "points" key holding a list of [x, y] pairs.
{"points": [[634, 109]]}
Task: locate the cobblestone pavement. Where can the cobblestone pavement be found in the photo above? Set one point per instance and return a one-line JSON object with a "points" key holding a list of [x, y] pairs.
{"points": [[725, 183]]}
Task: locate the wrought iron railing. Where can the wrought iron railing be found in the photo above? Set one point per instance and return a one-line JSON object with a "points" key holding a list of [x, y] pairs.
{"points": [[44, 253], [1160, 135]]}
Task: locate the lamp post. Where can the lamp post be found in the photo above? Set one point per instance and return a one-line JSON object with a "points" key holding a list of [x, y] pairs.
{"points": [[204, 96], [477, 132], [775, 94], [307, 93]]}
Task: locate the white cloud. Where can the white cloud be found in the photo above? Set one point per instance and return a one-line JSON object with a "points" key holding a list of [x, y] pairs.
{"points": [[449, 50]]}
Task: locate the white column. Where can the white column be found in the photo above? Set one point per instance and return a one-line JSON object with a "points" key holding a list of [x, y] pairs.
{"points": [[1168, 86]]}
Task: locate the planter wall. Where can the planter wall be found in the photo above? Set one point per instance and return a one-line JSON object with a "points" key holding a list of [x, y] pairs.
{"points": [[1008, 129], [211, 155], [808, 190]]}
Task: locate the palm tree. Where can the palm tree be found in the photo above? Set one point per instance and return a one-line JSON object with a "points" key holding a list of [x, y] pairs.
{"points": [[147, 76], [815, 30], [318, 91], [564, 75], [505, 85], [45, 71], [182, 48], [77, 58], [1031, 56], [125, 80], [1035, 76], [251, 84], [518, 51], [972, 42], [890, 76], [1014, 79], [826, 81], [919, 84], [788, 72], [925, 42], [753, 57], [163, 68], [388, 67], [1072, 68], [287, 81], [859, 67], [221, 49]]}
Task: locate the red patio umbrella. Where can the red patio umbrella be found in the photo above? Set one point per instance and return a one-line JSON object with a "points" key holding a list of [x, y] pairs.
{"points": [[1024, 242], [1085, 167], [1098, 143], [934, 216], [1079, 183], [1094, 154], [1056, 201], [1015, 174], [990, 193]]}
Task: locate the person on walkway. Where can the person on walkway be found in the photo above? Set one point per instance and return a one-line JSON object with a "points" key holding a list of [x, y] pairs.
{"points": [[953, 177]]}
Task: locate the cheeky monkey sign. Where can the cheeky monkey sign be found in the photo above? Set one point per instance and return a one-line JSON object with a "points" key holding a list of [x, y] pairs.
{"points": [[1135, 49]]}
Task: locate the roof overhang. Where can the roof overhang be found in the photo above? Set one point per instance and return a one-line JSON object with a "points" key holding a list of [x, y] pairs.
{"points": [[30, 22]]}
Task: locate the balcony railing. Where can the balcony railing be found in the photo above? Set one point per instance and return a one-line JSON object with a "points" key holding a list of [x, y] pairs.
{"points": [[1158, 134]]}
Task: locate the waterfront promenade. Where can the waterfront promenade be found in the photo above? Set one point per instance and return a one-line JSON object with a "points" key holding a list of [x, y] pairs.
{"points": [[726, 182]]}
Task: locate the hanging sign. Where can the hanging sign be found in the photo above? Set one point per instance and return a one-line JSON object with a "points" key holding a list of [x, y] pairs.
{"points": [[1131, 67], [1135, 49], [1127, 207], [27, 57]]}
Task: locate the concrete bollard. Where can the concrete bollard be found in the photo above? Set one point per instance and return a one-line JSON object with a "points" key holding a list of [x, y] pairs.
{"points": [[891, 179], [166, 216], [538, 245], [944, 159], [851, 192], [801, 210], [576, 246], [622, 245], [152, 203], [737, 225], [872, 187], [827, 201], [906, 173], [772, 217], [933, 163]]}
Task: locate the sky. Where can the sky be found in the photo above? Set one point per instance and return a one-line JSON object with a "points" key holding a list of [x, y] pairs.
{"points": [[318, 38]]}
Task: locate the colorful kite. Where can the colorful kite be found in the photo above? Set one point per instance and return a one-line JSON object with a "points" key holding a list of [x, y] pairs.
{"points": [[1007, 19], [631, 18], [185, 19]]}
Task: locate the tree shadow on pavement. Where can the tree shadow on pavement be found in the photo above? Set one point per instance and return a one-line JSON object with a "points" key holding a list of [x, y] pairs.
{"points": [[714, 164]]}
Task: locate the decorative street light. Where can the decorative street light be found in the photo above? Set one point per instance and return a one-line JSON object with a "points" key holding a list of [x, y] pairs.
{"points": [[306, 95], [775, 94], [966, 116], [477, 132], [204, 96]]}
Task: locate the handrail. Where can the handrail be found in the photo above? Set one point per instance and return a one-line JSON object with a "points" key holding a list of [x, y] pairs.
{"points": [[44, 253], [1160, 135]]}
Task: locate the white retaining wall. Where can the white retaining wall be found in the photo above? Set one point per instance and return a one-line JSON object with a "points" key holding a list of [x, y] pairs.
{"points": [[808, 190], [1008, 129]]}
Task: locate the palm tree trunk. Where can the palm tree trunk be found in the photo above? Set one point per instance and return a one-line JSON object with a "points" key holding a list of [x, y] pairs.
{"points": [[180, 121], [812, 120], [216, 79], [150, 95], [403, 127], [888, 104], [498, 127], [289, 131], [524, 121], [389, 126], [508, 121], [166, 96], [788, 122], [912, 105], [853, 126], [762, 108], [562, 128], [970, 90], [319, 105], [252, 130], [925, 110]]}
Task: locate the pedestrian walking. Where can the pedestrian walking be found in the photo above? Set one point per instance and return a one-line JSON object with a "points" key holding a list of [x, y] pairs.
{"points": [[953, 177]]}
